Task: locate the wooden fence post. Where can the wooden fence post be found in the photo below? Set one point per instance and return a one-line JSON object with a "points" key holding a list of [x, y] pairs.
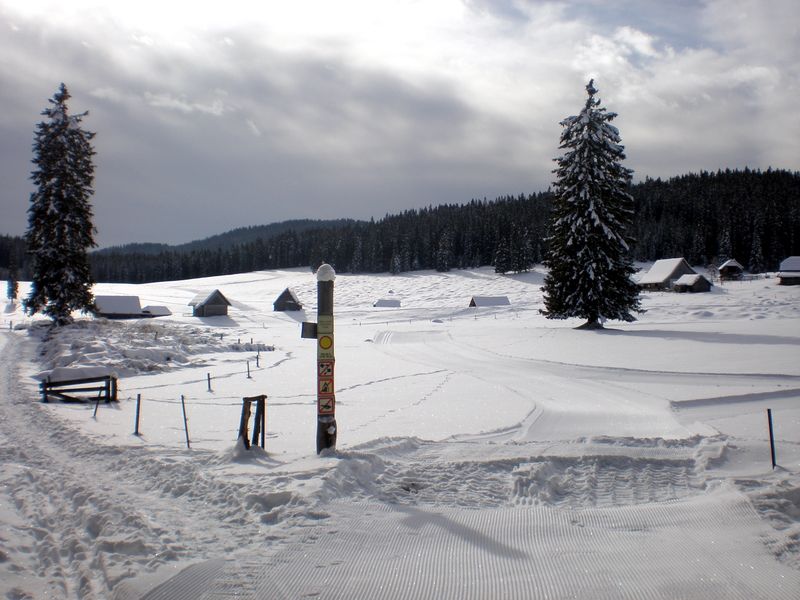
{"points": [[771, 437], [138, 409], [185, 422]]}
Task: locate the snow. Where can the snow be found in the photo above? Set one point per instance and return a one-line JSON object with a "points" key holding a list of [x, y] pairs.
{"points": [[480, 454]]}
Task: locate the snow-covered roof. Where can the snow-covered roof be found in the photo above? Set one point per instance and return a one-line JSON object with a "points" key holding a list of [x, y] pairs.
{"points": [[662, 269], [688, 279], [205, 297], [731, 262], [490, 301], [790, 264], [117, 305], [388, 303], [157, 311]]}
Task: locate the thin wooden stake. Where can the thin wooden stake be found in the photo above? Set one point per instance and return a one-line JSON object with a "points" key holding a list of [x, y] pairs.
{"points": [[185, 422], [771, 437], [209, 381], [248, 370], [138, 410]]}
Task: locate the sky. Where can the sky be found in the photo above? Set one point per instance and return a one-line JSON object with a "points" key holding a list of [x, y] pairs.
{"points": [[216, 115]]}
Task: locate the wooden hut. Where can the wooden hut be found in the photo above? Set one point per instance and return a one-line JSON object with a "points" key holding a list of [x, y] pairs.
{"points": [[118, 307], [789, 273], [730, 270], [209, 305], [664, 273], [387, 303], [287, 301], [477, 301], [692, 283]]}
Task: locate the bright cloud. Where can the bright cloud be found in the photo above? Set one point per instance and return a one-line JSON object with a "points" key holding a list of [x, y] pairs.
{"points": [[358, 108]]}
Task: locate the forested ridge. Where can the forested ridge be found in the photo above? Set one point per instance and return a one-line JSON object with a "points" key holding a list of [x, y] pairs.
{"points": [[750, 215]]}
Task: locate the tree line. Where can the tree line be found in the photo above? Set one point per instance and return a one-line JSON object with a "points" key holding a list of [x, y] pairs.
{"points": [[706, 217]]}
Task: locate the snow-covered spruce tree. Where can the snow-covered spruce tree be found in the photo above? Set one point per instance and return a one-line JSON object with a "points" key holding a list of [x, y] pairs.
{"points": [[60, 229], [589, 260]]}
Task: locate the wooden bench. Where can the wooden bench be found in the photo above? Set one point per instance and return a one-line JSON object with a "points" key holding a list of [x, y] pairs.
{"points": [[105, 386]]}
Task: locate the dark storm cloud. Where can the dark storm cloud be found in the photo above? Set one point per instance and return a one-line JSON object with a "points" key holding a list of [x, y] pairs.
{"points": [[220, 126]]}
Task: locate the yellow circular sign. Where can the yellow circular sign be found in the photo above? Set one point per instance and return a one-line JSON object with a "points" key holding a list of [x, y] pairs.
{"points": [[325, 342]]}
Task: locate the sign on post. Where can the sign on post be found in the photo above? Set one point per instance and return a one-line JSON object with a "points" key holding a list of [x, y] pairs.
{"points": [[322, 330]]}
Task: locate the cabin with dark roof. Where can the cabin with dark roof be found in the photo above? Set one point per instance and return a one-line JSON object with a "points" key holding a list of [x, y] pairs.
{"points": [[209, 305], [287, 302]]}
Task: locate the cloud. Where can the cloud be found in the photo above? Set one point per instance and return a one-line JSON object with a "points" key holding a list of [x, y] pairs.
{"points": [[213, 121]]}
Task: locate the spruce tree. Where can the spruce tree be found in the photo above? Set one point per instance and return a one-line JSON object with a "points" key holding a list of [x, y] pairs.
{"points": [[60, 229], [12, 285], [589, 250]]}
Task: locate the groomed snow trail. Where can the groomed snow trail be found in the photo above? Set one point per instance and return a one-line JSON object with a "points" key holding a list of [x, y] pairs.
{"points": [[593, 488]]}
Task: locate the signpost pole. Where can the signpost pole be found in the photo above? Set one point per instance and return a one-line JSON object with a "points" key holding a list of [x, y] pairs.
{"points": [[326, 399]]}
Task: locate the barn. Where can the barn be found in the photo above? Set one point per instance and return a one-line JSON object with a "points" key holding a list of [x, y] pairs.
{"points": [[287, 301], [664, 273], [692, 283], [789, 273], [730, 270], [118, 307], [478, 301], [214, 304], [387, 303], [155, 310]]}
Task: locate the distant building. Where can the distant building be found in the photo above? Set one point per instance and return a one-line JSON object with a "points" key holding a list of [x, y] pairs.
{"points": [[387, 303], [287, 301], [209, 305], [118, 307], [156, 311], [489, 301], [692, 283], [789, 273], [730, 270], [664, 273]]}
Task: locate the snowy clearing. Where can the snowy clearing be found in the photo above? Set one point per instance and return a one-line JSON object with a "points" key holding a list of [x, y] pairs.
{"points": [[482, 452]]}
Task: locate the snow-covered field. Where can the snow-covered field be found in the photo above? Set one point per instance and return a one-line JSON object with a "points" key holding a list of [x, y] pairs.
{"points": [[482, 453]]}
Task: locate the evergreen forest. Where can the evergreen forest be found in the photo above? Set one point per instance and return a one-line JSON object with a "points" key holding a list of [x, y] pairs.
{"points": [[750, 215]]}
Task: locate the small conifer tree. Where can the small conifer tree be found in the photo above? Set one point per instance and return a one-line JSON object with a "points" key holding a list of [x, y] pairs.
{"points": [[60, 229], [589, 260]]}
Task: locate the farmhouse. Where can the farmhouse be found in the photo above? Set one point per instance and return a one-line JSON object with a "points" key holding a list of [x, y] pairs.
{"points": [[387, 303], [209, 305], [287, 301], [118, 307], [789, 273], [730, 270], [664, 273], [692, 283], [489, 301]]}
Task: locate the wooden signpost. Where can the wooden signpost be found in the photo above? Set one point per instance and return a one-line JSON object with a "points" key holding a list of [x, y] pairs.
{"points": [[323, 333]]}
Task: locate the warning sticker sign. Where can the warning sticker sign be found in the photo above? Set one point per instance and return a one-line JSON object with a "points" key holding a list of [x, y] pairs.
{"points": [[326, 386], [325, 342], [325, 368]]}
